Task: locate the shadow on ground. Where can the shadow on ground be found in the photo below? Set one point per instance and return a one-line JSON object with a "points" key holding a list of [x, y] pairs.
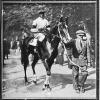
{"points": [[63, 80], [56, 79]]}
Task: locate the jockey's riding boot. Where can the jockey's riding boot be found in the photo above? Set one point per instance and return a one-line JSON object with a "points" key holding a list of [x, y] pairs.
{"points": [[47, 54], [43, 46], [39, 48]]}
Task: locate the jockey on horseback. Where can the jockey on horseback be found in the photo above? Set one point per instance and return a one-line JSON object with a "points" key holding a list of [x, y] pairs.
{"points": [[40, 25]]}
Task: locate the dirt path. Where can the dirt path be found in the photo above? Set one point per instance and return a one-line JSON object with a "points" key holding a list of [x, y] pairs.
{"points": [[61, 81]]}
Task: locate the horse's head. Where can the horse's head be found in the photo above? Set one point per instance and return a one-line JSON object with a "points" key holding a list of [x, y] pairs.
{"points": [[50, 35]]}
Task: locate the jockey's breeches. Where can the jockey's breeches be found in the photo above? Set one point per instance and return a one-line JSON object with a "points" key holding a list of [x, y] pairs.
{"points": [[38, 37]]}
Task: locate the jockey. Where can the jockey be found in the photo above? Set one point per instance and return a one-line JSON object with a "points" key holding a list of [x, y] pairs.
{"points": [[79, 60], [39, 26]]}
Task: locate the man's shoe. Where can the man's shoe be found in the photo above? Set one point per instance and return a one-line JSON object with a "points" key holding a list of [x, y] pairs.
{"points": [[82, 90]]}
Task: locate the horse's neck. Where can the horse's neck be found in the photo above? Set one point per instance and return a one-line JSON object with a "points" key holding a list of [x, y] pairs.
{"points": [[54, 30]]}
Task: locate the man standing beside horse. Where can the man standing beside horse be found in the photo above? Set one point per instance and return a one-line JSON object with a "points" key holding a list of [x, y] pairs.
{"points": [[80, 60]]}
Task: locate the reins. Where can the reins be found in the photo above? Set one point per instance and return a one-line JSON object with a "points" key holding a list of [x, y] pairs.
{"points": [[65, 48]]}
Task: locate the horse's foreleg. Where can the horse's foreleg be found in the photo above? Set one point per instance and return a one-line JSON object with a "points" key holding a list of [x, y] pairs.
{"points": [[50, 60], [36, 58], [47, 81], [48, 63], [25, 67], [25, 63]]}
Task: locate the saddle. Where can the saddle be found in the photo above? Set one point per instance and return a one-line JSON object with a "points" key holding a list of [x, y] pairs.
{"points": [[27, 40], [41, 47]]}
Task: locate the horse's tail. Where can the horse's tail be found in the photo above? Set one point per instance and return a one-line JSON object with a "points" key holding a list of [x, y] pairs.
{"points": [[24, 53]]}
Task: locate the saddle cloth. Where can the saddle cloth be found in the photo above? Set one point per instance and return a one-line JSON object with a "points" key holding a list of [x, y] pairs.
{"points": [[38, 37]]}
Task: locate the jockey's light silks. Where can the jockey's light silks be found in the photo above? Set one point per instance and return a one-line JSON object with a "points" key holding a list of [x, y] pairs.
{"points": [[38, 37], [34, 30], [33, 42]]}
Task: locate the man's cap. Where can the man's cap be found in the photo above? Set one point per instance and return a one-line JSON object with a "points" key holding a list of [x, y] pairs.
{"points": [[80, 32], [42, 11]]}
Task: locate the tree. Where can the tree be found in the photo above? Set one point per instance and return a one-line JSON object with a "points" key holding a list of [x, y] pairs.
{"points": [[20, 16]]}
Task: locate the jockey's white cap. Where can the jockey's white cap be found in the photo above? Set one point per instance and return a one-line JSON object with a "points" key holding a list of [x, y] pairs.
{"points": [[42, 11], [80, 32]]}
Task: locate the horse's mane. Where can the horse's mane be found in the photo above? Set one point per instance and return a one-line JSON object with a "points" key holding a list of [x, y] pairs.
{"points": [[54, 30]]}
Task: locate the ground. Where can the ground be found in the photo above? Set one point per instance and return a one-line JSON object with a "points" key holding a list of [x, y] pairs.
{"points": [[14, 87]]}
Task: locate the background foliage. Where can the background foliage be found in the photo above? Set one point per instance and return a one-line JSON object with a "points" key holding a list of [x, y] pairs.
{"points": [[20, 16]]}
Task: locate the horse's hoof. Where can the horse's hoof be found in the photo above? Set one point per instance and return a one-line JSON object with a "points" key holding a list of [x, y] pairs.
{"points": [[46, 87], [49, 89]]}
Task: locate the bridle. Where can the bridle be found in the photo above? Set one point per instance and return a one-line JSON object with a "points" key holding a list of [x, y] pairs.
{"points": [[63, 43]]}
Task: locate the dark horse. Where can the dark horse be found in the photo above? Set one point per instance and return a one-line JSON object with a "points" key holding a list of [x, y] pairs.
{"points": [[48, 59]]}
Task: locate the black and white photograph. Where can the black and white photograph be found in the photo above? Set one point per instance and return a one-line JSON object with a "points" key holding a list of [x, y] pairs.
{"points": [[49, 49]]}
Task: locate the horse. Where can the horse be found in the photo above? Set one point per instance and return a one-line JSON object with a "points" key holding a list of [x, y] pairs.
{"points": [[53, 39]]}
